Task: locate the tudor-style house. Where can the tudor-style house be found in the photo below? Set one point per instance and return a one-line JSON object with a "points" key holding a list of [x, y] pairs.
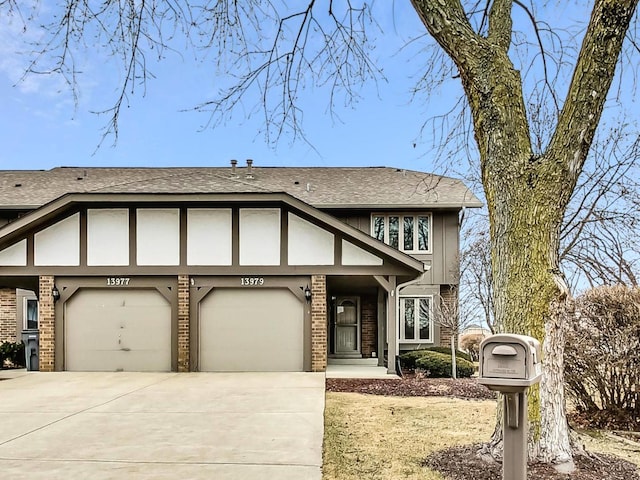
{"points": [[226, 268]]}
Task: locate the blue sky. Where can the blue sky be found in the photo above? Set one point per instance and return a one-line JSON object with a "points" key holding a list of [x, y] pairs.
{"points": [[41, 128]]}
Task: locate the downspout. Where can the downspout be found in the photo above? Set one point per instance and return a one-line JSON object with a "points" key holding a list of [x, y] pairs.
{"points": [[396, 294]]}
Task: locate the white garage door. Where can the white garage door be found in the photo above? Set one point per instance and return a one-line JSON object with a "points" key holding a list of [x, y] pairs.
{"points": [[118, 330], [251, 330]]}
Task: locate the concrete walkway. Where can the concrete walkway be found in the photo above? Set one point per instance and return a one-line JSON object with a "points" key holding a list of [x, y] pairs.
{"points": [[185, 426]]}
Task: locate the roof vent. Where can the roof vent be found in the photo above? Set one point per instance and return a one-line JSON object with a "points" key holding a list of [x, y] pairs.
{"points": [[234, 163], [249, 168]]}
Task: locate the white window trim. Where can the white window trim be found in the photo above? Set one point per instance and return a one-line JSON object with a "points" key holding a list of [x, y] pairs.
{"points": [[416, 327], [401, 216]]}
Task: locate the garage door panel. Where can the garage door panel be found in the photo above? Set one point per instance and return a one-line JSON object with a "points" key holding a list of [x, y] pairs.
{"points": [[111, 330], [251, 330]]}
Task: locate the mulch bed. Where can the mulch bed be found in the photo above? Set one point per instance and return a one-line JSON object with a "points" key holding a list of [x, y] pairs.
{"points": [[463, 463], [411, 386]]}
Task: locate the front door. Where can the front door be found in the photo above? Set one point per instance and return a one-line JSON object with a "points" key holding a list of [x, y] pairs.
{"points": [[347, 330]]}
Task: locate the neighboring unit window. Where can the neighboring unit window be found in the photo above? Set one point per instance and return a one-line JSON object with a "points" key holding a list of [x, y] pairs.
{"points": [[415, 319], [30, 314], [394, 230], [378, 228], [409, 233], [423, 233]]}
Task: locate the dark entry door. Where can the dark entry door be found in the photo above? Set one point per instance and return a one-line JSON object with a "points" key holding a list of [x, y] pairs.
{"points": [[347, 330]]}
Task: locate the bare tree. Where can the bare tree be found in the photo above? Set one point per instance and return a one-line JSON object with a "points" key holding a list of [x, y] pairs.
{"points": [[447, 314], [600, 235], [475, 277], [528, 184]]}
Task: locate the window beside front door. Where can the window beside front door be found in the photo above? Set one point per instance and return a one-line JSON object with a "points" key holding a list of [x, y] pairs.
{"points": [[30, 320], [408, 233], [416, 322]]}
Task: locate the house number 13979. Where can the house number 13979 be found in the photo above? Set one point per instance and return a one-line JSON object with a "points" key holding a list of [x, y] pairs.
{"points": [[251, 281]]}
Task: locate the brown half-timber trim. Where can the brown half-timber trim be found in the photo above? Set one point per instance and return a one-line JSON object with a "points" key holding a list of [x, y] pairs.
{"points": [[337, 250], [133, 237], [174, 270], [284, 237], [183, 236], [73, 202], [31, 250], [235, 236], [83, 237]]}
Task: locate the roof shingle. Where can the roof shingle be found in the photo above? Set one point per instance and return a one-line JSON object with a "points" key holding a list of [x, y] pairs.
{"points": [[321, 187]]}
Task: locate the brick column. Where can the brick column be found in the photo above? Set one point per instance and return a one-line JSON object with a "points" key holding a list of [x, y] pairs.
{"points": [[369, 321], [183, 323], [8, 313], [449, 296], [318, 323], [46, 324]]}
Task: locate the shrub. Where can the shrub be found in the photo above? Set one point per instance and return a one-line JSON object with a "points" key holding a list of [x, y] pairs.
{"points": [[602, 365], [435, 364], [14, 352], [408, 359], [471, 344], [447, 350]]}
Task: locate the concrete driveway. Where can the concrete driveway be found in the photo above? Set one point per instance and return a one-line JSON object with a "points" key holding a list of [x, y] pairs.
{"points": [[162, 426]]}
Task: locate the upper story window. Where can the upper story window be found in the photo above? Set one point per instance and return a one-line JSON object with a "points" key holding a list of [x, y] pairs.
{"points": [[408, 233]]}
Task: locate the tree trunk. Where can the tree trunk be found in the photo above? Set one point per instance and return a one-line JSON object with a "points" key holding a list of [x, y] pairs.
{"points": [[454, 366], [525, 218], [527, 194]]}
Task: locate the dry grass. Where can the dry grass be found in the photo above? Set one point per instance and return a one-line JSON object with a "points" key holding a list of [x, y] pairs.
{"points": [[374, 437], [605, 442]]}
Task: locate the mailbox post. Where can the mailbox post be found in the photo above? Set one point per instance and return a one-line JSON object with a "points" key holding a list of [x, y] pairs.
{"points": [[510, 364]]}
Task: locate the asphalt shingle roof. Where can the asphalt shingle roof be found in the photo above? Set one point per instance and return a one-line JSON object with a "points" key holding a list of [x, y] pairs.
{"points": [[321, 187]]}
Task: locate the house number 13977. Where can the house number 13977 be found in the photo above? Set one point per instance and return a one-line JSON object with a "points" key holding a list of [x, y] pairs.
{"points": [[251, 281], [117, 281]]}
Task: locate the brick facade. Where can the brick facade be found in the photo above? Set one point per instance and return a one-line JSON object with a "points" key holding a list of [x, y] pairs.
{"points": [[318, 323], [448, 295], [8, 313], [369, 323], [183, 323], [46, 324]]}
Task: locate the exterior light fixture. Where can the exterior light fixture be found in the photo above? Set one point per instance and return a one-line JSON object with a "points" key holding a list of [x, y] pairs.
{"points": [[55, 294], [307, 294]]}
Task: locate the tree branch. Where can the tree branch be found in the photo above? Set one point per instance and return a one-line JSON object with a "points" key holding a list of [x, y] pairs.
{"points": [[589, 86], [500, 24]]}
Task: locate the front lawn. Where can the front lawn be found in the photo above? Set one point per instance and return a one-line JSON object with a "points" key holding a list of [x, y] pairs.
{"points": [[376, 437]]}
